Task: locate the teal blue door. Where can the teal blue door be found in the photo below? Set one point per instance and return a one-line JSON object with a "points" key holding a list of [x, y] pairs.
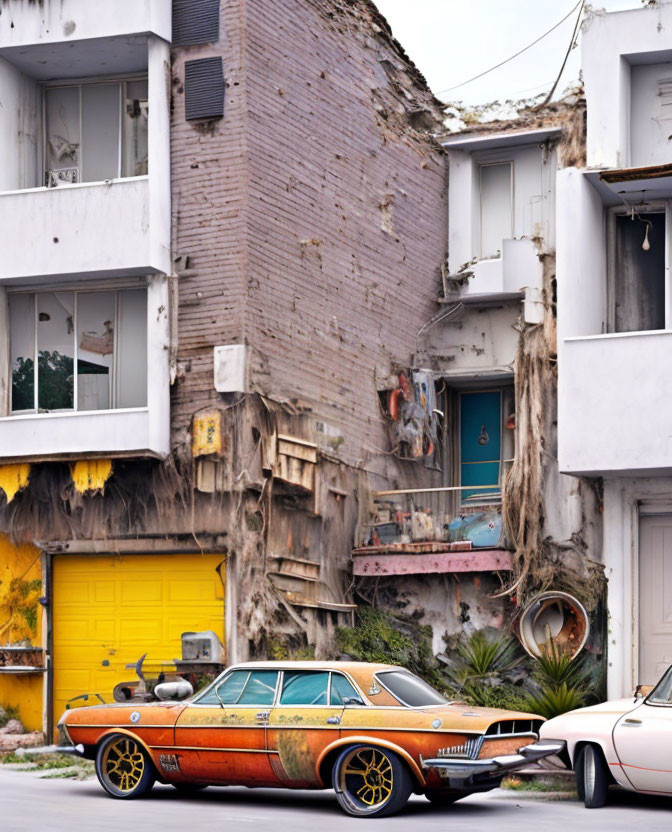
{"points": [[480, 443]]}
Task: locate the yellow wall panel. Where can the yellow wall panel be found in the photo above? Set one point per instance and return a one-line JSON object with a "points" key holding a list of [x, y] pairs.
{"points": [[125, 606], [21, 563]]}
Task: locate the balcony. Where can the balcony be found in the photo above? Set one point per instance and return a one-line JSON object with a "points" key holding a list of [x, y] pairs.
{"points": [[416, 531], [517, 274], [98, 229], [615, 404]]}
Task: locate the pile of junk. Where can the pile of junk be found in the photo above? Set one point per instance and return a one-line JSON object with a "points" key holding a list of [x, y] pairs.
{"points": [[203, 659]]}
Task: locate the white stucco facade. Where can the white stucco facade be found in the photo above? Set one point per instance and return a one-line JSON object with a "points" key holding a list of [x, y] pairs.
{"points": [[614, 381], [85, 233]]}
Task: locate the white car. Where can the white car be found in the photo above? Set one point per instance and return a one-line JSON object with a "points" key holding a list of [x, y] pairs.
{"points": [[627, 742]]}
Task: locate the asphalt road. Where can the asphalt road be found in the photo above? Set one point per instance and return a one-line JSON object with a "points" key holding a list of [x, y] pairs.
{"points": [[31, 804]]}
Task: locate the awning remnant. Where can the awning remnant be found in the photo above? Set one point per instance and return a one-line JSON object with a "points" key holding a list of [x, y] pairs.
{"points": [[90, 474], [13, 478]]}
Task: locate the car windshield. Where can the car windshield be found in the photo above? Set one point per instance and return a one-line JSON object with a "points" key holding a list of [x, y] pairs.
{"points": [[409, 689], [662, 693]]}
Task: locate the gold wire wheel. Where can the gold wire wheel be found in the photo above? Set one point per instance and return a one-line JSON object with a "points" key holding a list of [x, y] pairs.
{"points": [[367, 776], [123, 764]]}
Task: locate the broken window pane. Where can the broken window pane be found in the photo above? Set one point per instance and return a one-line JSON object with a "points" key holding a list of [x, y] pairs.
{"points": [[63, 135], [109, 332], [55, 345], [101, 126], [95, 356], [639, 279], [22, 350], [136, 125], [496, 207], [96, 131]]}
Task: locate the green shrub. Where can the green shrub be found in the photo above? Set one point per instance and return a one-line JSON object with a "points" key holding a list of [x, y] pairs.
{"points": [[555, 700], [391, 638]]}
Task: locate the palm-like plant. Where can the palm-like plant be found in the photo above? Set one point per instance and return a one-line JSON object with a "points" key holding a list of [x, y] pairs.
{"points": [[555, 700]]}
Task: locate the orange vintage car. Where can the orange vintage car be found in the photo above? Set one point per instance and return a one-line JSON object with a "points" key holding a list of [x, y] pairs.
{"points": [[375, 733]]}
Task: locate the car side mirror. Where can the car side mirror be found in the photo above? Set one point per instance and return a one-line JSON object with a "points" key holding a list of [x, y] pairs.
{"points": [[642, 690], [353, 700]]}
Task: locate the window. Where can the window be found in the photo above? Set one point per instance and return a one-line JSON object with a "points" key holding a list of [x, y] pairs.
{"points": [[304, 688], [496, 190], [342, 692], [91, 350], [95, 131], [409, 689], [638, 279], [242, 687]]}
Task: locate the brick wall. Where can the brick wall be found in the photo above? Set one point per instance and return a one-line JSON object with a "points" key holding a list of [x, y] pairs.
{"points": [[315, 220]]}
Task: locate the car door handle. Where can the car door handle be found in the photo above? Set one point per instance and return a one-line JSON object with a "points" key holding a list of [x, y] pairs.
{"points": [[633, 723], [262, 716], [334, 720]]}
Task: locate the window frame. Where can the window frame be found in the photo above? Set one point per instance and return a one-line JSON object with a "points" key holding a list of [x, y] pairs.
{"points": [[78, 83], [489, 163], [661, 206], [116, 288]]}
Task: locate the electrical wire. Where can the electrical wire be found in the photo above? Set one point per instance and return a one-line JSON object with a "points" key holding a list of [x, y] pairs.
{"points": [[572, 44], [520, 52]]}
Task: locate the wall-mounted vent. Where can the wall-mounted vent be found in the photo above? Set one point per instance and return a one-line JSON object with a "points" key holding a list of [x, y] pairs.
{"points": [[204, 88], [195, 21]]}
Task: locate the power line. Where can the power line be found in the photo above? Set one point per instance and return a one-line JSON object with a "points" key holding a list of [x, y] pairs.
{"points": [[529, 46], [572, 42]]}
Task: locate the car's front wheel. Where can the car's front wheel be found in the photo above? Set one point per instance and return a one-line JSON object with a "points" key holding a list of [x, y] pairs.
{"points": [[592, 777], [371, 781], [123, 768]]}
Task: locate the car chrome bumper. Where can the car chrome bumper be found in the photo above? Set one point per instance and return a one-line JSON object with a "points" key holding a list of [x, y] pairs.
{"points": [[77, 750], [464, 768]]}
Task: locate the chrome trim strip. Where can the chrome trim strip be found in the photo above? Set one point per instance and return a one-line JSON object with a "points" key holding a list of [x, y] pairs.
{"points": [[130, 725], [206, 748]]}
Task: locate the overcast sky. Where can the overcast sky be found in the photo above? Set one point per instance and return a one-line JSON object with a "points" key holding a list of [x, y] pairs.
{"points": [[453, 40]]}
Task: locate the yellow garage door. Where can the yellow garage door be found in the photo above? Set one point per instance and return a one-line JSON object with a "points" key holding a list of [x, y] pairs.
{"points": [[109, 610]]}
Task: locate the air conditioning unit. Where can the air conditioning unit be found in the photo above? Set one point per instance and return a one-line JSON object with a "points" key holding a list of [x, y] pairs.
{"points": [[231, 368]]}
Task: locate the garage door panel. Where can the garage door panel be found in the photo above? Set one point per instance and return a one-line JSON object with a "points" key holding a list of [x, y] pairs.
{"points": [[146, 591], [109, 610], [104, 592]]}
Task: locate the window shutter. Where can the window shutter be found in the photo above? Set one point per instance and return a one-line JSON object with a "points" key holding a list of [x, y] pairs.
{"points": [[195, 21], [204, 88]]}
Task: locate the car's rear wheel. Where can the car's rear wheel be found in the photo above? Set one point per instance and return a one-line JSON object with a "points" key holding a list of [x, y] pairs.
{"points": [[595, 777], [123, 768], [371, 781]]}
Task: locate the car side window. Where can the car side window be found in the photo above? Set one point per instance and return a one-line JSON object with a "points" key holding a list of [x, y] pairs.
{"points": [[304, 688], [259, 689], [227, 691], [342, 690]]}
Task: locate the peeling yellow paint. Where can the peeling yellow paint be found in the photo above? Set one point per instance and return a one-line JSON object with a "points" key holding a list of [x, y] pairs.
{"points": [[13, 478], [90, 474]]}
